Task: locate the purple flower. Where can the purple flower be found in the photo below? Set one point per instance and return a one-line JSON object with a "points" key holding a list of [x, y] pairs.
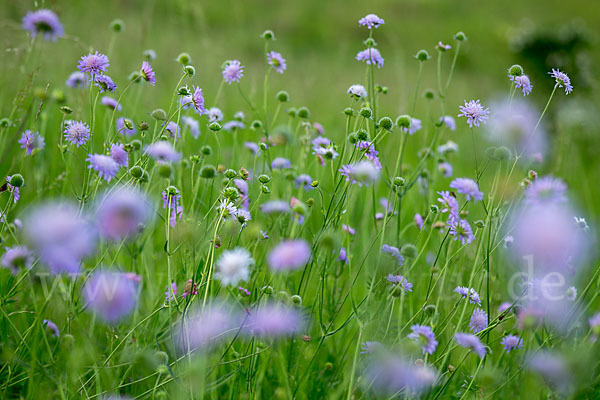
{"points": [[442, 47], [425, 336], [234, 125], [547, 189], [275, 206], [479, 320], [275, 60], [77, 133], [461, 230], [470, 293], [371, 21], [148, 73], [106, 167], [31, 141], [343, 257], [445, 168], [449, 122], [60, 236], [173, 129], [471, 342], [233, 71], [123, 129], [390, 375], [17, 257], [95, 64], [105, 83], [192, 125], [77, 79], [253, 147], [475, 113], [206, 327], [289, 255], [118, 153], [562, 80], [111, 103], [369, 152], [51, 326], [361, 172], [522, 82], [357, 91], [171, 293], [111, 295], [16, 194], [43, 22], [198, 100], [121, 212], [503, 307], [163, 151], [415, 126], [371, 347], [171, 199], [214, 114], [305, 181], [273, 321], [400, 282], [468, 187], [511, 342], [449, 203], [370, 56], [394, 252], [419, 221], [552, 368], [281, 163]]}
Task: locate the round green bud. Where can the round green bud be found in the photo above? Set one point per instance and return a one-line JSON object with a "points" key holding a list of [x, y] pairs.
{"points": [[264, 179], [263, 146], [189, 70], [304, 113], [490, 152], [165, 170], [136, 144], [429, 94], [267, 290], [362, 134], [434, 208], [67, 340], [256, 124], [409, 251], [161, 395], [460, 36], [161, 357], [215, 127], [314, 184], [430, 310], [17, 180], [479, 223], [386, 123], [208, 171], [184, 58], [366, 112], [265, 189], [184, 91], [282, 96], [134, 76], [230, 173], [195, 158], [159, 114], [399, 181], [268, 35], [144, 126], [296, 300], [310, 202], [370, 42], [385, 90], [515, 70], [117, 25], [145, 177], [5, 122], [162, 369], [244, 174], [231, 193], [502, 153], [292, 112], [58, 96], [66, 109], [353, 138], [404, 121], [149, 55], [349, 111], [127, 123], [136, 171], [422, 55], [206, 150], [532, 175]]}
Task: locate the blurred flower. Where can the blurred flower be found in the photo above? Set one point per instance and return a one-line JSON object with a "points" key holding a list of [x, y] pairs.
{"points": [[171, 293], [16, 194], [275, 206], [233, 266], [95, 64], [206, 327], [253, 147], [43, 22], [192, 124], [230, 126], [479, 320], [552, 368], [275, 60], [106, 167], [171, 199], [400, 282], [289, 255], [391, 374], [121, 211], [371, 21], [511, 342], [17, 257], [273, 321], [445, 168], [233, 71], [474, 112], [305, 181], [343, 257], [123, 129], [562, 80], [111, 295], [546, 189], [449, 203], [449, 122], [370, 56], [394, 252], [468, 187], [371, 347], [148, 73], [415, 126], [111, 103], [419, 221], [76, 79], [470, 293], [471, 342], [163, 151], [425, 337], [214, 114], [51, 326], [361, 172], [357, 91], [77, 133], [118, 153], [281, 163]]}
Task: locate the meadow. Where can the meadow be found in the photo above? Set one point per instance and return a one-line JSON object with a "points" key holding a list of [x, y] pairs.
{"points": [[302, 200]]}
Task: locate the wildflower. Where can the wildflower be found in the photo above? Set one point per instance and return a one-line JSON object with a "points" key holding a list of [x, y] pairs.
{"points": [[214, 114], [425, 336], [43, 22], [95, 64], [118, 153], [190, 288], [370, 56], [479, 320], [343, 257], [419, 221], [281, 163], [361, 172], [60, 236], [243, 216], [448, 147], [121, 212], [77, 133], [449, 122], [13, 189], [471, 342], [233, 266], [253, 147], [111, 295], [461, 230], [320, 143], [272, 321], [192, 125], [104, 165], [443, 47], [31, 141], [522, 82], [148, 73], [173, 129], [552, 368], [562, 80], [394, 252], [415, 126], [470, 293], [511, 342], [233, 71], [571, 293], [198, 101], [163, 151], [474, 112], [275, 206], [122, 128], [111, 103], [445, 168], [275, 60], [390, 374], [51, 326], [17, 257], [449, 203], [503, 307], [371, 21], [105, 83], [468, 187], [76, 79], [289, 255], [357, 92], [206, 327], [227, 209], [171, 293], [171, 198], [305, 181], [371, 347], [546, 190], [348, 229], [400, 282]]}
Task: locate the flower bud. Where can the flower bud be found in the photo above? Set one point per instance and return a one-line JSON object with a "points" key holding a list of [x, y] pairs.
{"points": [[149, 55], [362, 134], [5, 122], [264, 179], [134, 76], [206, 150], [17, 180], [208, 171], [58, 96], [215, 127], [263, 146], [231, 193], [268, 35], [386, 123], [296, 300], [282, 96], [404, 121], [161, 357], [460, 36], [184, 58], [67, 341], [353, 138], [490, 152], [136, 171], [144, 126], [66, 109], [117, 25], [265, 189], [230, 173], [409, 251], [159, 114], [145, 177], [422, 55], [165, 170], [349, 111], [244, 174], [366, 112], [502, 153], [189, 70], [304, 113], [515, 70], [136, 144], [267, 290], [479, 224], [310, 202], [256, 124], [429, 94], [532, 175], [434, 209], [399, 181], [292, 112], [184, 91]]}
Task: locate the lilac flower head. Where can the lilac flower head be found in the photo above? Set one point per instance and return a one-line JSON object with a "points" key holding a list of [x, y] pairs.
{"points": [[419, 221], [43, 22], [361, 172], [233, 71], [106, 167], [471, 342], [198, 101], [51, 326], [171, 293], [275, 206], [16, 194], [163, 151], [343, 257], [111, 295], [503, 307], [121, 212], [289, 255], [449, 204], [173, 129], [449, 122], [231, 126], [461, 230], [371, 21], [425, 336], [445, 168], [415, 126], [204, 328], [171, 200], [123, 129], [31, 141], [148, 73], [547, 189], [511, 342], [552, 368], [394, 252], [281, 163], [95, 64], [77, 133], [371, 347], [522, 81], [17, 257], [357, 91], [60, 236], [192, 124], [105, 83], [111, 103], [468, 187], [389, 374], [305, 181], [470, 293], [233, 266], [275, 60], [400, 282], [370, 56], [77, 79], [273, 321], [562, 80], [479, 320], [474, 112], [214, 114]]}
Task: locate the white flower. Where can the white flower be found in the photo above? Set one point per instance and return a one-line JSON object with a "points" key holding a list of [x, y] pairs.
{"points": [[357, 91], [234, 266]]}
